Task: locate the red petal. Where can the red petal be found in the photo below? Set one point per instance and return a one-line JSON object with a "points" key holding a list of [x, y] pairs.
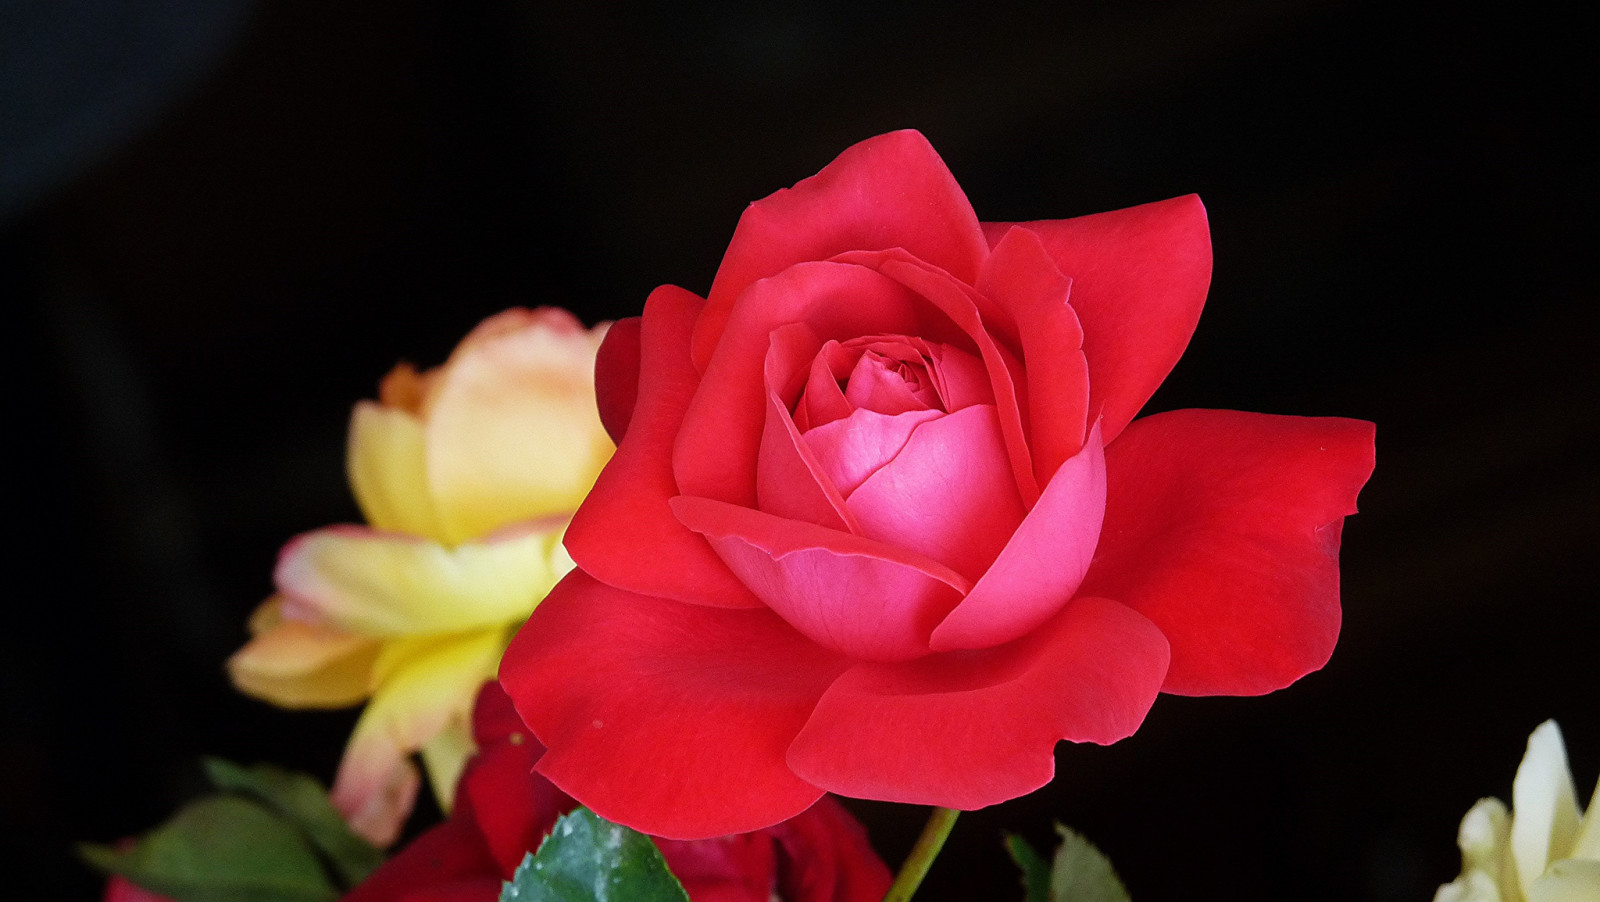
{"points": [[624, 534], [948, 494], [1139, 278], [828, 857], [1042, 563], [1021, 277], [1223, 528], [790, 482], [670, 718], [868, 600], [716, 449], [959, 304], [738, 868], [616, 376], [972, 729], [450, 853], [513, 807], [888, 191]]}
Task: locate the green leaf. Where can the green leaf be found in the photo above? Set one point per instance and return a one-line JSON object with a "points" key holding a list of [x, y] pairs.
{"points": [[221, 849], [1082, 873], [590, 859], [304, 801], [1035, 872]]}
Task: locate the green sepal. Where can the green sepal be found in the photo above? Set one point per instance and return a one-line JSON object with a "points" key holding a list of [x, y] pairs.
{"points": [[1035, 872], [221, 849], [589, 859], [302, 799]]}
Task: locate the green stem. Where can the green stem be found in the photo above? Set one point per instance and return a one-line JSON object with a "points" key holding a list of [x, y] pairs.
{"points": [[940, 820]]}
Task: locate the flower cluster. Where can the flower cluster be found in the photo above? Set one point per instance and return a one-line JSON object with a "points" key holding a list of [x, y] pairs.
{"points": [[882, 521]]}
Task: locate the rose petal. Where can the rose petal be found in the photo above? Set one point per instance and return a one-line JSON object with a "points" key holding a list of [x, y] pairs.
{"points": [[790, 482], [868, 600], [822, 401], [875, 385], [1139, 278], [828, 857], [381, 584], [959, 304], [948, 494], [717, 445], [512, 429], [972, 729], [679, 751], [449, 853], [513, 807], [616, 372], [388, 470], [1042, 563], [624, 534], [1223, 528], [305, 665], [1021, 277], [851, 449], [887, 191], [738, 868]]}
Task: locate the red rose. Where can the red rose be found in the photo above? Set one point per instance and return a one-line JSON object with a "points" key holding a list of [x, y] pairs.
{"points": [[503, 810], [880, 525]]}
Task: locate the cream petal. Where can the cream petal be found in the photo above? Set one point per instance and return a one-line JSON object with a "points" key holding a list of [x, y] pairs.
{"points": [[1545, 806], [388, 470], [1569, 880], [512, 428], [1474, 886], [377, 584], [444, 757], [1587, 844]]}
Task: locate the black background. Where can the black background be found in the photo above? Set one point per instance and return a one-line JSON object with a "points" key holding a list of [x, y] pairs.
{"points": [[1401, 211]]}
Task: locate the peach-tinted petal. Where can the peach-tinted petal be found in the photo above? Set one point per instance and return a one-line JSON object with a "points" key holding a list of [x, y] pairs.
{"points": [[513, 431], [424, 686], [388, 470], [387, 585], [305, 665]]}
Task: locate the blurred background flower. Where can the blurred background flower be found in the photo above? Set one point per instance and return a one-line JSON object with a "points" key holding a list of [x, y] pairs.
{"points": [[1401, 197], [1545, 849], [467, 475]]}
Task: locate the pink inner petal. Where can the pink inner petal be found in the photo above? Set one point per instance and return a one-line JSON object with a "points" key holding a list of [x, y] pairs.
{"points": [[853, 448], [1042, 564], [948, 494], [886, 385], [868, 600]]}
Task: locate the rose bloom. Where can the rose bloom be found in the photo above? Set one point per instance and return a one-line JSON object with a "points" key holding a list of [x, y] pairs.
{"points": [[467, 475], [879, 523], [1546, 851], [504, 810]]}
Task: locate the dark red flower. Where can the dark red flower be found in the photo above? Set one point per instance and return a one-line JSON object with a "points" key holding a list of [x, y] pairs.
{"points": [[504, 810], [882, 523]]}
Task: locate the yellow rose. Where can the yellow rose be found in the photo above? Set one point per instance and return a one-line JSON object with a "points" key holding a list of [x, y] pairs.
{"points": [[467, 475], [1543, 851]]}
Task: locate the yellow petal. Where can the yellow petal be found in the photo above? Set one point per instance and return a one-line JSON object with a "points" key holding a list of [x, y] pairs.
{"points": [[445, 757], [1544, 805], [378, 584], [388, 470], [511, 425], [301, 665], [1570, 880]]}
